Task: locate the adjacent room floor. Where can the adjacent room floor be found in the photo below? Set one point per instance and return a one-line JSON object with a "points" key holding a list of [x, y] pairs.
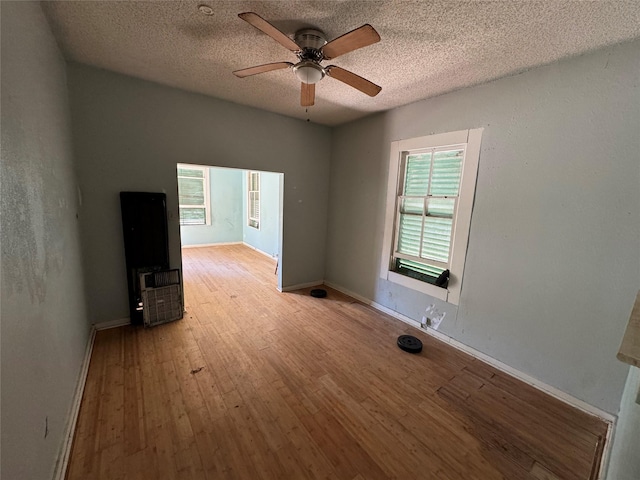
{"points": [[254, 383]]}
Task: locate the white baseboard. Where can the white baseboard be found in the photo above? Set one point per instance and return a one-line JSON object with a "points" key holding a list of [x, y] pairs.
{"points": [[70, 429], [291, 288], [202, 245], [553, 391], [260, 251], [117, 322]]}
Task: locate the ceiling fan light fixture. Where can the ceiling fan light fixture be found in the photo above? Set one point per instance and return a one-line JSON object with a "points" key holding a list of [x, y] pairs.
{"points": [[309, 72]]}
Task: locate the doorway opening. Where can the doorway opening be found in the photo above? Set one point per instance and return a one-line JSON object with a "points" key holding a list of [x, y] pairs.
{"points": [[238, 209]]}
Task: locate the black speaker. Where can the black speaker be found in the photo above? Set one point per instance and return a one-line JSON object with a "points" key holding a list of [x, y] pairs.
{"points": [[146, 241]]}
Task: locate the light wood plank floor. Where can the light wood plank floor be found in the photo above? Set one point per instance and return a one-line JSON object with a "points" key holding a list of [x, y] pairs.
{"points": [[255, 384]]}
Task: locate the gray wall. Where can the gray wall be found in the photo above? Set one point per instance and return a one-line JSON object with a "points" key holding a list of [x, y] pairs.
{"points": [[44, 328], [267, 237], [552, 265], [130, 134], [624, 463], [226, 210]]}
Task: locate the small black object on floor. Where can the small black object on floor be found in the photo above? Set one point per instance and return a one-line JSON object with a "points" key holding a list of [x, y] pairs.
{"points": [[318, 293], [409, 343]]}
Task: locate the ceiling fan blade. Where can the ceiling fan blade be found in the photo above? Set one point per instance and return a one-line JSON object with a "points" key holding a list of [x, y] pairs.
{"points": [[358, 38], [267, 67], [353, 80], [307, 94], [264, 26]]}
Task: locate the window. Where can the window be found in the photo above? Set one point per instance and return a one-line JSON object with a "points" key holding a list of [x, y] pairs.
{"points": [[429, 201], [426, 203], [193, 195], [253, 199]]}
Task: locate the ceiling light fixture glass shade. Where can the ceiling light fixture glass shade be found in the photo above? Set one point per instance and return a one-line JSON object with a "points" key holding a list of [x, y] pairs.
{"points": [[309, 72]]}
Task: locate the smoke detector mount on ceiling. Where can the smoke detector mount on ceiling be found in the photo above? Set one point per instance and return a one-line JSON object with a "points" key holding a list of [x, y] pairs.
{"points": [[205, 9]]}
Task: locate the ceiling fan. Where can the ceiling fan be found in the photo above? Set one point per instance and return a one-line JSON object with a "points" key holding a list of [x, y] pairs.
{"points": [[311, 48]]}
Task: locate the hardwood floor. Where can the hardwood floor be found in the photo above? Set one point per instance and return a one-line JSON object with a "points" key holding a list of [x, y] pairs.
{"points": [[253, 383]]}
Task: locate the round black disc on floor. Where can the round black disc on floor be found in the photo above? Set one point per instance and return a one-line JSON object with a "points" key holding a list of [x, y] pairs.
{"points": [[409, 343], [318, 293]]}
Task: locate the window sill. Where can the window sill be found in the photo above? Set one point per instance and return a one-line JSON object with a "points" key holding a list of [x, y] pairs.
{"points": [[423, 287]]}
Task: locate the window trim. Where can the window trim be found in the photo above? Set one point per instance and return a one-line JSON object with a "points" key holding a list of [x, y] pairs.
{"points": [[460, 230], [207, 194], [249, 191]]}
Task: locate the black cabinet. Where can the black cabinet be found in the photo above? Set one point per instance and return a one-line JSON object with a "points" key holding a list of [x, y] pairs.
{"points": [[146, 241]]}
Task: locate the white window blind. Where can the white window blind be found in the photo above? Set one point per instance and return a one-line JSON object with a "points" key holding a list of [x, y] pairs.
{"points": [[426, 206], [193, 194], [253, 204]]}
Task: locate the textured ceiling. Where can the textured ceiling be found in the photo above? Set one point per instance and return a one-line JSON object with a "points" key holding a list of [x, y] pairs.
{"points": [[427, 48]]}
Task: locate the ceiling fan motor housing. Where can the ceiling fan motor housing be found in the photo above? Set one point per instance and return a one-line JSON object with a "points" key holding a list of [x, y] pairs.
{"points": [[310, 38], [310, 41]]}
